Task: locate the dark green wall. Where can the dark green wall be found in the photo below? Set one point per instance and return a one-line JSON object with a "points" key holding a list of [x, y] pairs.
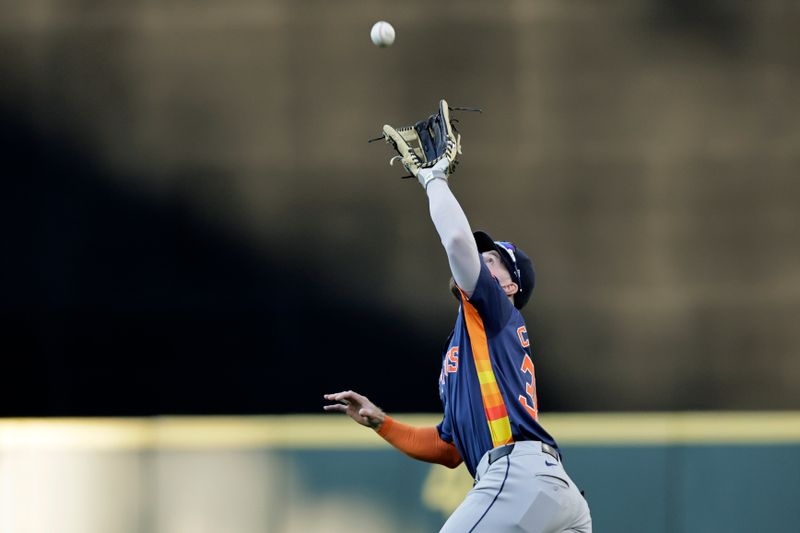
{"points": [[631, 489]]}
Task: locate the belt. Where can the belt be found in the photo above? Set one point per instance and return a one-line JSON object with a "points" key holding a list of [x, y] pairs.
{"points": [[502, 451]]}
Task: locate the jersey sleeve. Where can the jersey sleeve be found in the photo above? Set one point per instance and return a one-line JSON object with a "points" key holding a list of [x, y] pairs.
{"points": [[420, 443], [494, 307], [445, 429]]}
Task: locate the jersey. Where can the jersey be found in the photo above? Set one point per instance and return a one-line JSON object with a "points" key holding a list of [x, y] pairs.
{"points": [[487, 383]]}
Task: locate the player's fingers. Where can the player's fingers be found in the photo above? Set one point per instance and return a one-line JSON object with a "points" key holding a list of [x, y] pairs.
{"points": [[356, 398], [336, 408], [332, 395], [344, 395]]}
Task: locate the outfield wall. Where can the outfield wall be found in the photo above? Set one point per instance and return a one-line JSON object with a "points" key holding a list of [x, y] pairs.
{"points": [[667, 472]]}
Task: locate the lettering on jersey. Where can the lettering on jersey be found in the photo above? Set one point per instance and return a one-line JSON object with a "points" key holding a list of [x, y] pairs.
{"points": [[452, 360], [530, 388], [522, 333]]}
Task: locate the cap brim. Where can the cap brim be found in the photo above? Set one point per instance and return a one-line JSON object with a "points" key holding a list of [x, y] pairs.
{"points": [[484, 241]]}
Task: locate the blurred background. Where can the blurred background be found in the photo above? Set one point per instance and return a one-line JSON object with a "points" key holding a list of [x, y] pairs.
{"points": [[193, 223]]}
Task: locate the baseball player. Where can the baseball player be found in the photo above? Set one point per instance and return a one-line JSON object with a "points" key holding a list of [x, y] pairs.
{"points": [[487, 384]]}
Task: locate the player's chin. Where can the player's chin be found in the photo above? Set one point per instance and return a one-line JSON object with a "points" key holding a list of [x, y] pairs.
{"points": [[454, 290]]}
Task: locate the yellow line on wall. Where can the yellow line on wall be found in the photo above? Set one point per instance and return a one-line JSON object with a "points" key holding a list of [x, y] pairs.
{"points": [[722, 427], [319, 432]]}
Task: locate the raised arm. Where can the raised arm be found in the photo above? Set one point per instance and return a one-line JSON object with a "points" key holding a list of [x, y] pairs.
{"points": [[453, 228]]}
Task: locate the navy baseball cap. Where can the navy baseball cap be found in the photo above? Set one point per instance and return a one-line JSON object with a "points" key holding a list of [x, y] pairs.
{"points": [[519, 265]]}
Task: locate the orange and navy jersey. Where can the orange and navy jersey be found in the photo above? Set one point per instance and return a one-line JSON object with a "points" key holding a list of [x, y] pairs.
{"points": [[487, 384]]}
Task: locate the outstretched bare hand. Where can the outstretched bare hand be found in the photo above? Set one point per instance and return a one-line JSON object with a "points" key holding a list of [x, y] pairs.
{"points": [[357, 407]]}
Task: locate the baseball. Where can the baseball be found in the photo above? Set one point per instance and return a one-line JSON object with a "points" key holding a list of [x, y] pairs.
{"points": [[382, 34]]}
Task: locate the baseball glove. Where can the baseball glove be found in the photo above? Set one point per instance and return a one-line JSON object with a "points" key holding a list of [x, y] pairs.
{"points": [[428, 142]]}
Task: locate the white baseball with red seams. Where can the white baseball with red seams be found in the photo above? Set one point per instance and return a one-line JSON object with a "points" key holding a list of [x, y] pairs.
{"points": [[382, 34]]}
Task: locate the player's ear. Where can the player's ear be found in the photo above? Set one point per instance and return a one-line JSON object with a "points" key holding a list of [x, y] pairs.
{"points": [[511, 288]]}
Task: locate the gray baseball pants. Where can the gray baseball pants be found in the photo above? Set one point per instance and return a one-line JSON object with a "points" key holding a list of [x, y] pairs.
{"points": [[527, 490]]}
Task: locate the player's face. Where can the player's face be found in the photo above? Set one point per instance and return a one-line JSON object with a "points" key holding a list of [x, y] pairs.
{"points": [[496, 267]]}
